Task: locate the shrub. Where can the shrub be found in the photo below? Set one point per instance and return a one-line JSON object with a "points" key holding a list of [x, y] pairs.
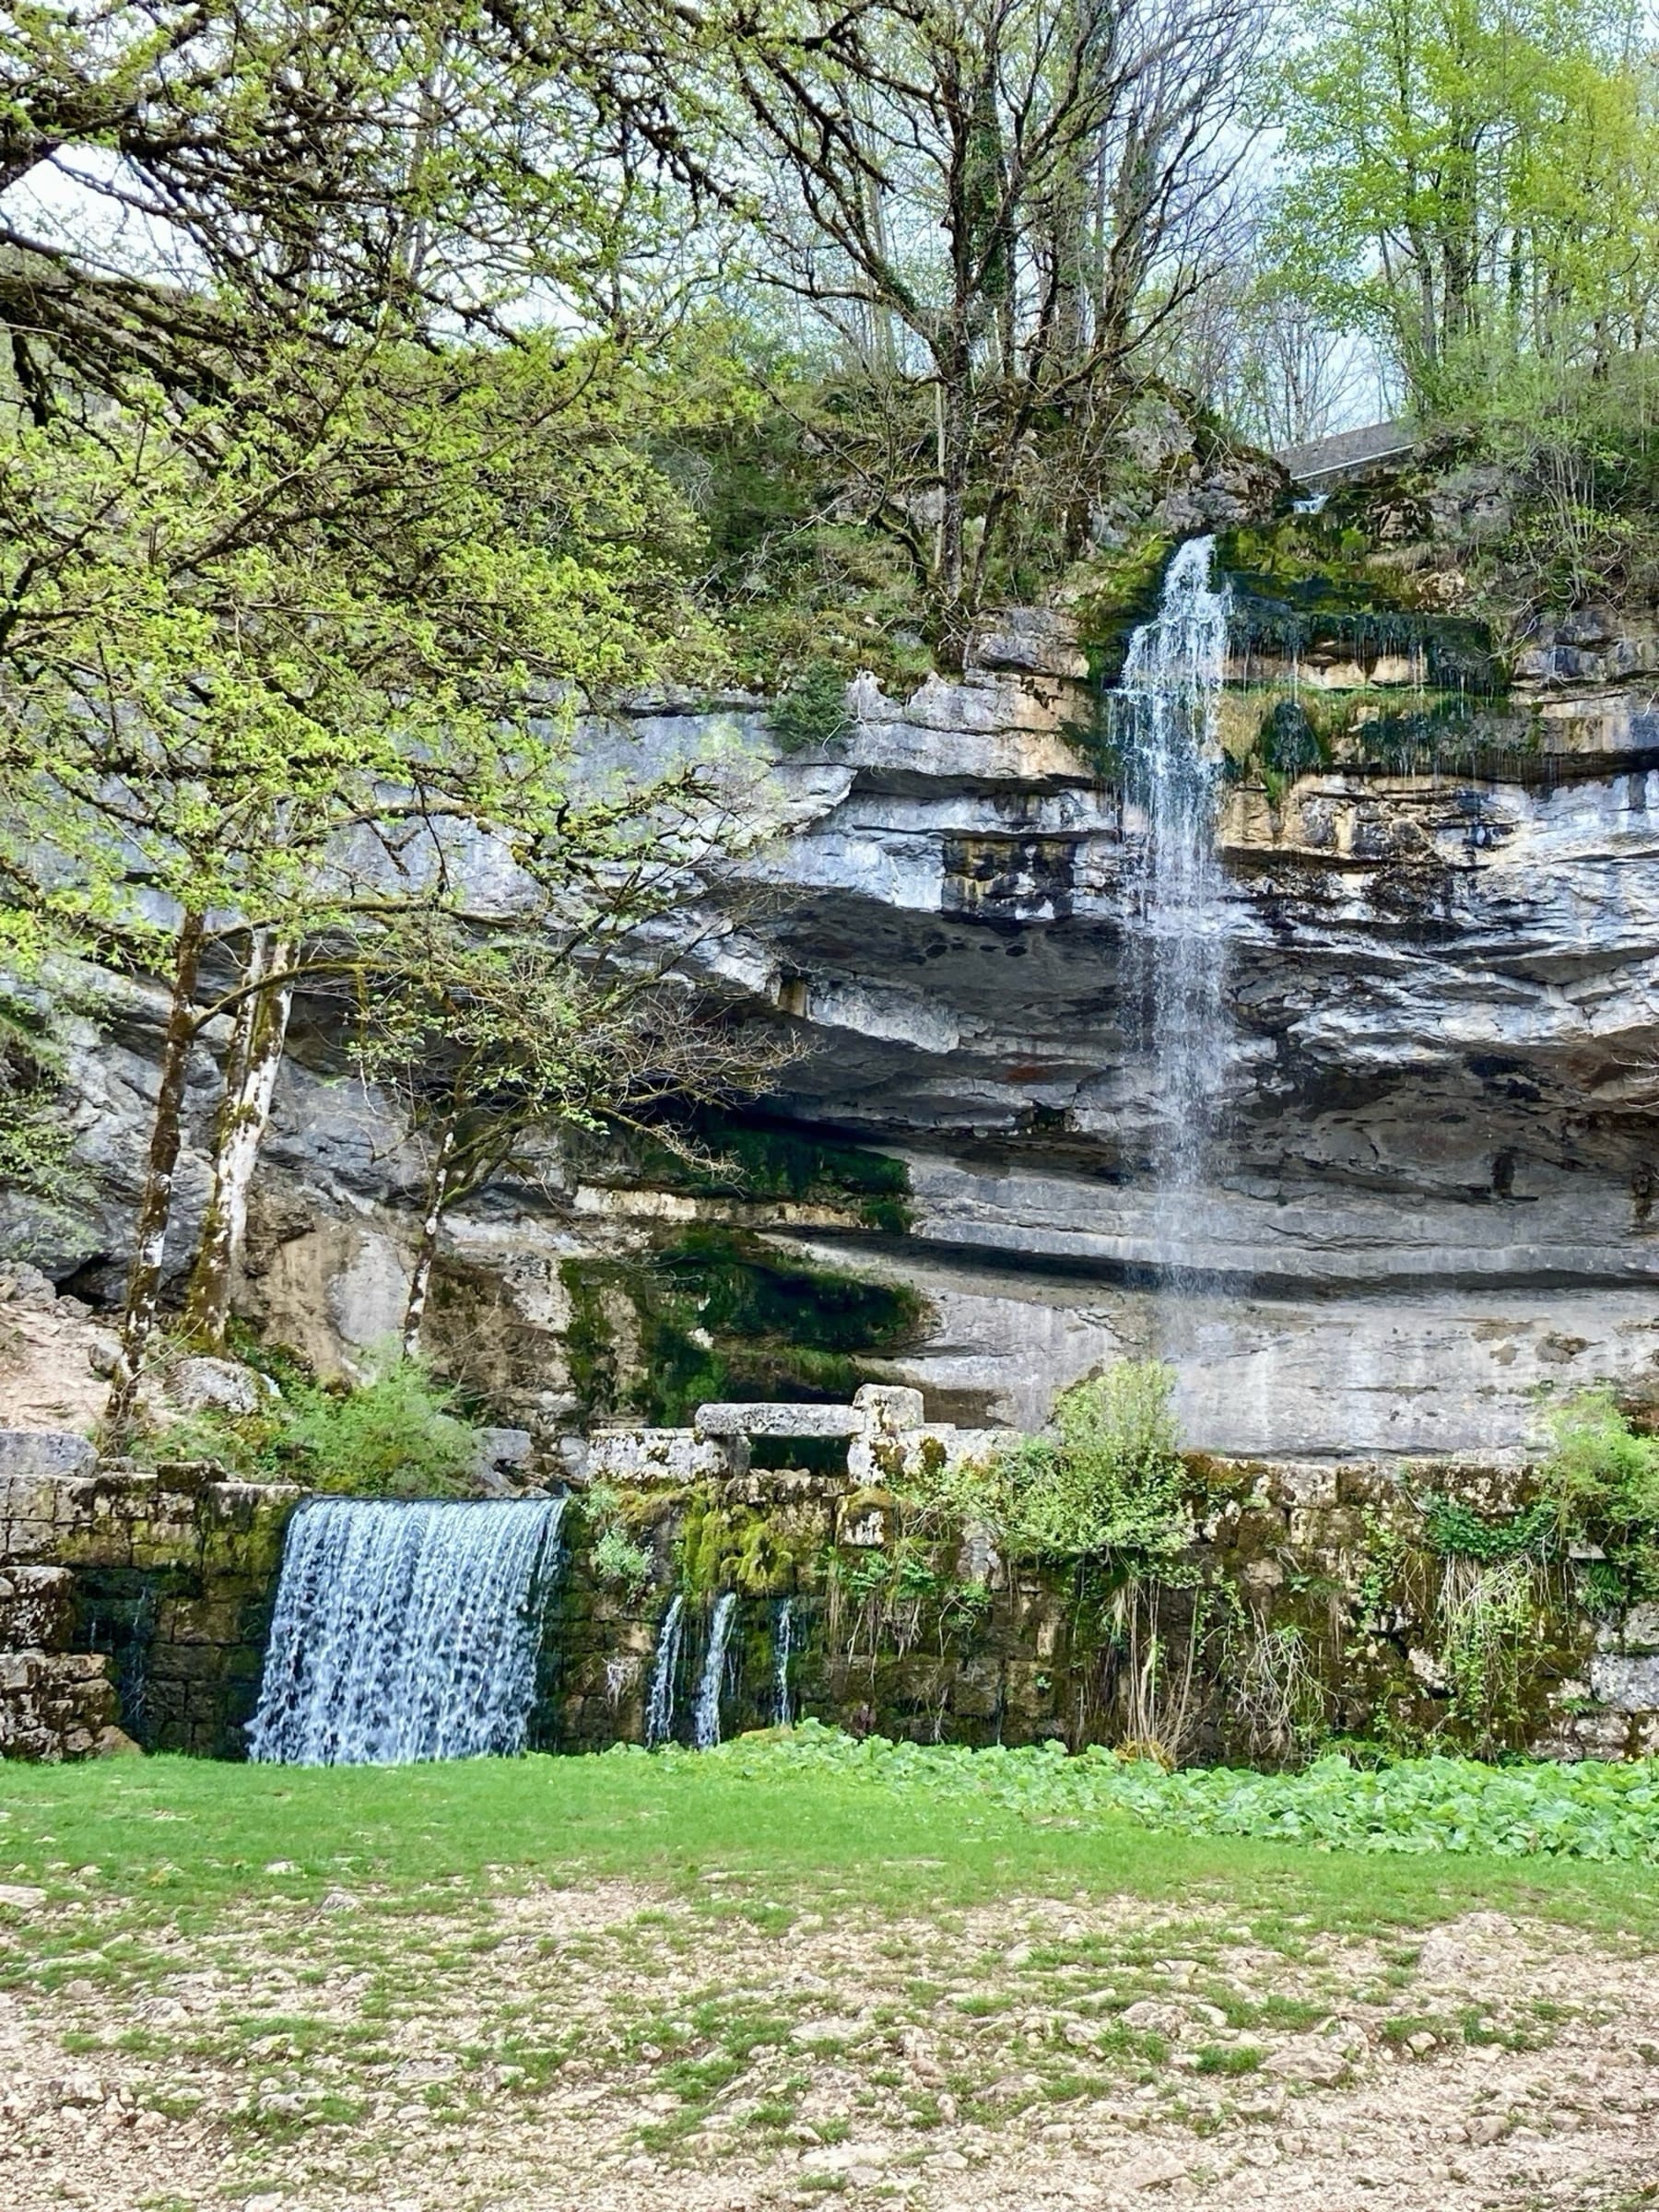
{"points": [[813, 711], [617, 1557], [395, 1436], [1112, 1478], [1601, 1475]]}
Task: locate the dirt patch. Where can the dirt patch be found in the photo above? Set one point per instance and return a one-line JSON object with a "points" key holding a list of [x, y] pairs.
{"points": [[598, 2048]]}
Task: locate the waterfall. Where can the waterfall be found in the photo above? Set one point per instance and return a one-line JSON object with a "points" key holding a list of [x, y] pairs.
{"points": [[659, 1701], [783, 1650], [705, 1716], [1167, 713], [405, 1631]]}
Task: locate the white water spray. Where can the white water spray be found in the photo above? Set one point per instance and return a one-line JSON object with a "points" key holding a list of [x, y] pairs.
{"points": [[1168, 710], [659, 1700], [705, 1715], [782, 1652], [405, 1631]]}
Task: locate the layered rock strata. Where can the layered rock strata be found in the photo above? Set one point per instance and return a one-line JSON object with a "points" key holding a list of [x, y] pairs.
{"points": [[1429, 1207]]}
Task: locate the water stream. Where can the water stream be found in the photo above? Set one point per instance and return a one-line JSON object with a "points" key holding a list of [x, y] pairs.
{"points": [[1167, 713], [782, 1652], [705, 1714], [665, 1667], [406, 1632]]}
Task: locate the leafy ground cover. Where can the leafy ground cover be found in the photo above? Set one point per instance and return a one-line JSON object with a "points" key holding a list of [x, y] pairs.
{"points": [[1593, 1810], [793, 1969]]}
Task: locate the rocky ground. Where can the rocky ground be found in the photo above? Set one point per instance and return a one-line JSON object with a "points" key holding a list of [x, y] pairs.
{"points": [[603, 2048]]}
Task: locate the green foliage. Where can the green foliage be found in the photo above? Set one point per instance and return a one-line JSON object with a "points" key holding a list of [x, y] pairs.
{"points": [[1601, 1484], [719, 1316], [1453, 1530], [721, 1155], [1591, 1810], [395, 1436], [1471, 183], [1600, 1477], [1487, 1618], [35, 1139], [617, 1556], [812, 714], [1112, 1478]]}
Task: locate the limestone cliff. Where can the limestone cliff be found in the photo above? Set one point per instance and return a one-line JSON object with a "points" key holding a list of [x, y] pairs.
{"points": [[1432, 1195]]}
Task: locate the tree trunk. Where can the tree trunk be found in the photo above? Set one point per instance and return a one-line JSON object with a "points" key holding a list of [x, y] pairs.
{"points": [[955, 377], [425, 1251], [154, 1209], [251, 1070]]}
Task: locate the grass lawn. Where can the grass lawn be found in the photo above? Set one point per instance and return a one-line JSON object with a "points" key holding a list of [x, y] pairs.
{"points": [[177, 1840], [793, 1969]]}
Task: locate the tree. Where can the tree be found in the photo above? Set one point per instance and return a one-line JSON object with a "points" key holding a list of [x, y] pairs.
{"points": [[494, 1039], [1475, 182], [309, 552], [997, 207]]}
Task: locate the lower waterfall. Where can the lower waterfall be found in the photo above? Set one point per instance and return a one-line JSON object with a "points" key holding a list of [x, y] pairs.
{"points": [[705, 1717], [659, 1699], [405, 1631], [782, 1652]]}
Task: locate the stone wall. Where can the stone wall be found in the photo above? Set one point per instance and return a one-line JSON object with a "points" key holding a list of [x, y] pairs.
{"points": [[133, 1595], [1311, 1605], [1311, 1608]]}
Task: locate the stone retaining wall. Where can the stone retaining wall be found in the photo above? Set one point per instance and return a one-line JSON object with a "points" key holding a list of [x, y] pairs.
{"points": [[140, 1602], [146, 1592]]}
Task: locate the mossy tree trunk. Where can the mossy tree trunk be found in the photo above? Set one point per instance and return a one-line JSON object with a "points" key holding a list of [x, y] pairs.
{"points": [[155, 1207]]}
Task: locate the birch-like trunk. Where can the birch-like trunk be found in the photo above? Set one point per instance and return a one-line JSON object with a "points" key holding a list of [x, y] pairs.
{"points": [[425, 1251], [251, 1071], [155, 1207]]}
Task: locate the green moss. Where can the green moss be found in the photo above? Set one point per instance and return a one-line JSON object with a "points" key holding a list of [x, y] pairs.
{"points": [[758, 1161], [589, 1339], [739, 1547]]}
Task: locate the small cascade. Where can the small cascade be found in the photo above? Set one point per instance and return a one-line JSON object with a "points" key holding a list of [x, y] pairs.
{"points": [[705, 1715], [659, 1700], [1166, 713], [782, 1652], [406, 1632]]}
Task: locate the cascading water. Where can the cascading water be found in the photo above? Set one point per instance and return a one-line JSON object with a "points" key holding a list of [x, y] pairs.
{"points": [[1166, 715], [659, 1699], [782, 1652], [405, 1631], [705, 1715]]}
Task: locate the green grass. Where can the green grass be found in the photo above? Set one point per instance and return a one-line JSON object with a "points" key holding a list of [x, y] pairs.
{"points": [[750, 1834]]}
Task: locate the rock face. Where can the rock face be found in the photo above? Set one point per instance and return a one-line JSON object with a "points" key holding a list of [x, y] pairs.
{"points": [[1431, 1198]]}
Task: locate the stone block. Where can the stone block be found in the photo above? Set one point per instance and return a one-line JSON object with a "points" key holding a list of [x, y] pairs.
{"points": [[33, 1455], [769, 1419], [37, 1608], [639, 1458], [1628, 1684], [889, 1407], [1640, 1632]]}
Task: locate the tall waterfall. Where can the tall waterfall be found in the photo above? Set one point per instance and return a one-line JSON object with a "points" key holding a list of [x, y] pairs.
{"points": [[405, 1631], [705, 1717], [659, 1699], [1168, 708]]}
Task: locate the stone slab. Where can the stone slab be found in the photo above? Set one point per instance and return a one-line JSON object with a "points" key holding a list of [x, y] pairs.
{"points": [[721, 1420]]}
